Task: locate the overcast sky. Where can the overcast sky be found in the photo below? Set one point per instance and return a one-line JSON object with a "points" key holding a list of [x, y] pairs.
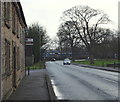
{"points": [[48, 12]]}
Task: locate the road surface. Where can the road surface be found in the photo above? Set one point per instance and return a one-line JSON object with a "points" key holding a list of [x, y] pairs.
{"points": [[72, 82]]}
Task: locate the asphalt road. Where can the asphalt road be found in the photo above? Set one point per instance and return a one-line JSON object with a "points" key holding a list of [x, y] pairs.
{"points": [[72, 82]]}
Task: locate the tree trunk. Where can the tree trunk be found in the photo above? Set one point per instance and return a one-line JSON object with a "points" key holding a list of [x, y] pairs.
{"points": [[73, 59], [91, 57]]}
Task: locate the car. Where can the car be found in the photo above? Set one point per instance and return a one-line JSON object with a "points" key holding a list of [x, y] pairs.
{"points": [[53, 59], [66, 61]]}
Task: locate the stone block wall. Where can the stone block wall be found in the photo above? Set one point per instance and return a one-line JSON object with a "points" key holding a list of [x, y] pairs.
{"points": [[7, 34]]}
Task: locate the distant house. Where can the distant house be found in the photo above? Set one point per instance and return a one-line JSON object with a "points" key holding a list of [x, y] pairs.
{"points": [[13, 46]]}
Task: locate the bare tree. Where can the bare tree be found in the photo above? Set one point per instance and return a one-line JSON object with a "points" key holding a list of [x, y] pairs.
{"points": [[108, 45], [68, 35], [87, 21]]}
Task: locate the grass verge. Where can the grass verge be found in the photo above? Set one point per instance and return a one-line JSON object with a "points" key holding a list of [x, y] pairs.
{"points": [[39, 65], [100, 62]]}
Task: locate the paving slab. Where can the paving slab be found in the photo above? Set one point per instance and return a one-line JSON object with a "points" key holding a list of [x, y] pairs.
{"points": [[32, 87]]}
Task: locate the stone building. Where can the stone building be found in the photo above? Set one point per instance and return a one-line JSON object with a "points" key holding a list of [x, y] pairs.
{"points": [[13, 46]]}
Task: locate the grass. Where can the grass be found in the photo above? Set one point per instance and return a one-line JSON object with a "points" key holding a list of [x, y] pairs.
{"points": [[39, 65], [102, 62]]}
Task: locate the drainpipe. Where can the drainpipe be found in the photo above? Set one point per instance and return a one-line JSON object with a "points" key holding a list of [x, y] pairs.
{"points": [[0, 51], [26, 33]]}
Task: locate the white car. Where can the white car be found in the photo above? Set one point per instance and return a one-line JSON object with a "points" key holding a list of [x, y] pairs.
{"points": [[67, 61]]}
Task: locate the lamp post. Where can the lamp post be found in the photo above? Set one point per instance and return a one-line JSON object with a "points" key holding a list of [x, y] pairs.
{"points": [[26, 33]]}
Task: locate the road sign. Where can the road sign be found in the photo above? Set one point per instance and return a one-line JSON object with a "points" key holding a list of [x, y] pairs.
{"points": [[29, 41]]}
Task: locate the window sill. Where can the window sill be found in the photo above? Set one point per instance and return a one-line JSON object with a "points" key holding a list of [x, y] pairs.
{"points": [[7, 25], [18, 37], [13, 31], [5, 75]]}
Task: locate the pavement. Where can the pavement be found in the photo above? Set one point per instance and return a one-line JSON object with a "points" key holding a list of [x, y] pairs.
{"points": [[32, 87]]}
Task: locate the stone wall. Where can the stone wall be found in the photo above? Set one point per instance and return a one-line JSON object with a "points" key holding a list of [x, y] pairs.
{"points": [[7, 34]]}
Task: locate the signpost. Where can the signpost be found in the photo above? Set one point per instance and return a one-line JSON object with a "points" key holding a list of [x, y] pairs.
{"points": [[29, 57], [29, 42]]}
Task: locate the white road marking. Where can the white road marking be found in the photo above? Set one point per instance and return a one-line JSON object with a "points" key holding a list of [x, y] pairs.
{"points": [[57, 92]]}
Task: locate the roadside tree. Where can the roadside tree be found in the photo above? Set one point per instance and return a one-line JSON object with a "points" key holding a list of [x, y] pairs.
{"points": [[68, 36], [87, 22], [40, 38]]}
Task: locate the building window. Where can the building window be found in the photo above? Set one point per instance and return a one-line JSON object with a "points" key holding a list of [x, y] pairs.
{"points": [[7, 57], [13, 20], [22, 36], [18, 29], [18, 58], [21, 33], [7, 14], [13, 56]]}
